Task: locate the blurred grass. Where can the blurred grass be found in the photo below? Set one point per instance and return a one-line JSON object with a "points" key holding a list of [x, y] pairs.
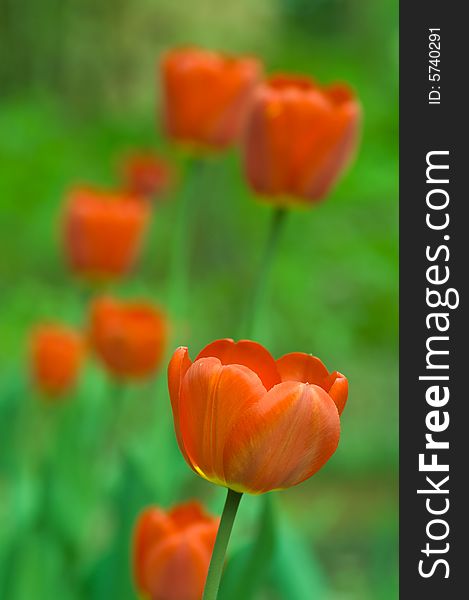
{"points": [[79, 92]]}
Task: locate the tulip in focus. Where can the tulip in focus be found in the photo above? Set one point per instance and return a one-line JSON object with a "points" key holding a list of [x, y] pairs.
{"points": [[251, 423], [299, 138], [57, 354], [207, 95], [128, 337], [103, 231], [171, 552], [146, 175]]}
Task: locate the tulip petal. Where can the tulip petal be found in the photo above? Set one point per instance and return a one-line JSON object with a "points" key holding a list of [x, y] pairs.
{"points": [[207, 95], [152, 527], [57, 353], [343, 138], [103, 231], [176, 569], [247, 353], [338, 389], [299, 366], [207, 533], [340, 94], [185, 515], [177, 368], [284, 438], [299, 138], [213, 396], [129, 338]]}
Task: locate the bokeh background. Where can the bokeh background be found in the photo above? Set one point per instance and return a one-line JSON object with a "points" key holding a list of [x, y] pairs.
{"points": [[78, 88]]}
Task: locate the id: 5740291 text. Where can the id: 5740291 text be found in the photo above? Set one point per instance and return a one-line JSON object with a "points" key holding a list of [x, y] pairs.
{"points": [[434, 72]]}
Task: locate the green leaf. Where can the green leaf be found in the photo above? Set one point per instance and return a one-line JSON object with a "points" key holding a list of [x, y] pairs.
{"points": [[295, 572], [278, 555], [112, 576]]}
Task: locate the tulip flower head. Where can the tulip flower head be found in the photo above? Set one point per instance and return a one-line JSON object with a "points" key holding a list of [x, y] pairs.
{"points": [[172, 550], [299, 138], [250, 423], [103, 232], [128, 337], [207, 95], [146, 175], [57, 354]]}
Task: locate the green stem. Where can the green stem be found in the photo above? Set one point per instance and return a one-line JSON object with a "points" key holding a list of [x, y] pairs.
{"points": [[49, 414], [178, 281], [270, 250], [221, 543]]}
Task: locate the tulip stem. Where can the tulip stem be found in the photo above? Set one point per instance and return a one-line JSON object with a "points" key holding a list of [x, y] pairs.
{"points": [[221, 543], [276, 227]]}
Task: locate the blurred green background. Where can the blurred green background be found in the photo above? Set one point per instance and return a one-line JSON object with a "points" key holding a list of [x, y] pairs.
{"points": [[78, 88]]}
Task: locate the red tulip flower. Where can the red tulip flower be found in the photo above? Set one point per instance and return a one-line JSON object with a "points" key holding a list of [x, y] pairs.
{"points": [[299, 138], [172, 550], [128, 337], [57, 354], [146, 175], [207, 95], [103, 231], [250, 423]]}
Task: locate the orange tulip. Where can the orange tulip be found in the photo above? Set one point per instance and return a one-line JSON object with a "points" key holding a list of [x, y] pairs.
{"points": [[207, 95], [299, 138], [103, 231], [146, 175], [128, 337], [250, 423], [172, 551], [56, 357]]}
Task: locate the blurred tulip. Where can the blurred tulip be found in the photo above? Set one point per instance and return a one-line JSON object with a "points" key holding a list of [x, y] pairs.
{"points": [[56, 357], [207, 95], [250, 423], [171, 552], [128, 337], [103, 231], [146, 175], [299, 138]]}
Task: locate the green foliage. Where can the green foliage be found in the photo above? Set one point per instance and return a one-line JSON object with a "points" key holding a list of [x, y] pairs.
{"points": [[78, 91]]}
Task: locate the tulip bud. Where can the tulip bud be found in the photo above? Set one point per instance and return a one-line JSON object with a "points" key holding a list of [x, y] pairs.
{"points": [[172, 550], [56, 357], [299, 138], [207, 95], [103, 232], [146, 175], [128, 337]]}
